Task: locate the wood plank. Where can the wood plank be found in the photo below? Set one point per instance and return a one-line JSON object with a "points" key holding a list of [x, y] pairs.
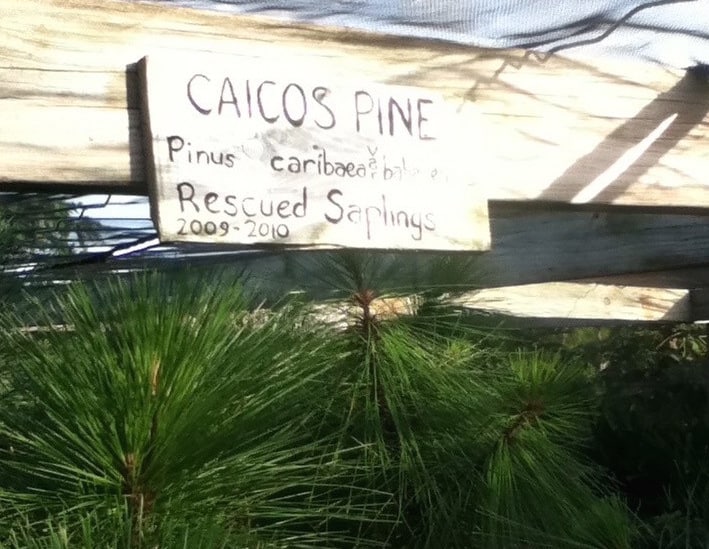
{"points": [[554, 304], [530, 245], [559, 243], [581, 301], [57, 145], [549, 128], [549, 304], [696, 277]]}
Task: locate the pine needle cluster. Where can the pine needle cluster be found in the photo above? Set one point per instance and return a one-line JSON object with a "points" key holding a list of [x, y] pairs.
{"points": [[175, 412]]}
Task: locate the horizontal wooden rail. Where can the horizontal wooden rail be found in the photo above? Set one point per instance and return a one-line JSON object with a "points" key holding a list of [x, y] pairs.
{"points": [[549, 128], [529, 245], [555, 304]]}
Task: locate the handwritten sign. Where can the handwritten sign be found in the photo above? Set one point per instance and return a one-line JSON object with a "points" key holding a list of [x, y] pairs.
{"points": [[251, 151]]}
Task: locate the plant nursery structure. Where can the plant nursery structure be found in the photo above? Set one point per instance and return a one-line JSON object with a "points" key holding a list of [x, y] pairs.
{"points": [[592, 176]]}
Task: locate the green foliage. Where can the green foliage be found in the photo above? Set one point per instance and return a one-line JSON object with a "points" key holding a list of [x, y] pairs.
{"points": [[173, 412], [31, 222], [469, 436], [653, 424], [541, 488], [36, 231], [165, 395], [653, 434]]}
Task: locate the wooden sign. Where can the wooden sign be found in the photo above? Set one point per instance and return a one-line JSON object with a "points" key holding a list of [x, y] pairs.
{"points": [[253, 150]]}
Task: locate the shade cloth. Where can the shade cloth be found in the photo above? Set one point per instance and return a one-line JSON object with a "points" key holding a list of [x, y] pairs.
{"points": [[673, 33]]}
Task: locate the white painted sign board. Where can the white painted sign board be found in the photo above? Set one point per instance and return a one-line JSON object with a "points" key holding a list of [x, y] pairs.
{"points": [[250, 150]]}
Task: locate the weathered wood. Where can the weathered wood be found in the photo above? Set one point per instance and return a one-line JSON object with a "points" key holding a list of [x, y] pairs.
{"points": [[556, 303], [682, 277], [529, 245], [569, 300], [547, 244], [549, 128], [247, 151]]}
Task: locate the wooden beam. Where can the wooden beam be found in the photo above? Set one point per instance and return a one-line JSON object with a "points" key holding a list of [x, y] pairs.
{"points": [[529, 245], [582, 301], [549, 128], [555, 304], [696, 277]]}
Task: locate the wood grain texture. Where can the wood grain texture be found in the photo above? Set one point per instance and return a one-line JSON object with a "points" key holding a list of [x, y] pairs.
{"points": [[550, 129], [695, 277], [554, 304], [582, 301], [529, 245]]}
